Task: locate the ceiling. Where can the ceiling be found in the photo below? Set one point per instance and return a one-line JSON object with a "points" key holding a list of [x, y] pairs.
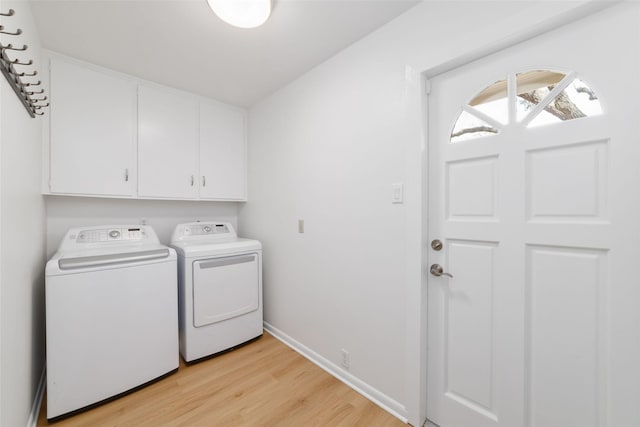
{"points": [[181, 43]]}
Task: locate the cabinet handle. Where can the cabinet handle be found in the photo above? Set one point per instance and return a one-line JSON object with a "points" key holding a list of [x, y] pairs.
{"points": [[192, 180], [126, 175], [204, 181]]}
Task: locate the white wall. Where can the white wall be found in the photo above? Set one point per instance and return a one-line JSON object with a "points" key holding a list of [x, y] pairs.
{"points": [[64, 212], [22, 237], [326, 149]]}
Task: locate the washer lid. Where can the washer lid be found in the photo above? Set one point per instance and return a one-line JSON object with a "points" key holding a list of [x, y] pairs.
{"points": [[91, 248], [73, 263]]}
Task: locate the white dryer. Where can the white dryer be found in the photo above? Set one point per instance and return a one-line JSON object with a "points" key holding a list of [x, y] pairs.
{"points": [[220, 288], [111, 315]]}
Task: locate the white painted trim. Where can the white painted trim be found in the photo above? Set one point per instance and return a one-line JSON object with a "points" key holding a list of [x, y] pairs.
{"points": [[37, 399], [415, 167], [376, 396], [535, 29], [2, 96], [417, 413]]}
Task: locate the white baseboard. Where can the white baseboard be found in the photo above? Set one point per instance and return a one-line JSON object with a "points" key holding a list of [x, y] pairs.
{"points": [[377, 397], [37, 399]]}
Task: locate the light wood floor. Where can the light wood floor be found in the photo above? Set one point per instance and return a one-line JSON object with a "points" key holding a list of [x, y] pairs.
{"points": [[264, 383]]}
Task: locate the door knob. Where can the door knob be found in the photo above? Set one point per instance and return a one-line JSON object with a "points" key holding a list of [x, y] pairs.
{"points": [[436, 270]]}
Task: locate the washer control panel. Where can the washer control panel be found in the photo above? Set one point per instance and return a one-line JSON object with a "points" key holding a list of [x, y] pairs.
{"points": [[109, 234]]}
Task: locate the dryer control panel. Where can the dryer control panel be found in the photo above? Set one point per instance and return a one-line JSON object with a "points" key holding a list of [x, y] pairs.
{"points": [[200, 229], [204, 230]]}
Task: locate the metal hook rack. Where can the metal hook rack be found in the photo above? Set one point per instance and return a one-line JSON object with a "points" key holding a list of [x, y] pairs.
{"points": [[14, 78], [12, 47], [34, 73], [17, 32]]}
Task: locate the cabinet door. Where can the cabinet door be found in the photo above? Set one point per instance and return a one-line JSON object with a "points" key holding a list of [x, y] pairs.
{"points": [[222, 152], [92, 139], [167, 144]]}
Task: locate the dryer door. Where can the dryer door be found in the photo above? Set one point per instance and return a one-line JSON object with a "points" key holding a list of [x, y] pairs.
{"points": [[225, 287]]}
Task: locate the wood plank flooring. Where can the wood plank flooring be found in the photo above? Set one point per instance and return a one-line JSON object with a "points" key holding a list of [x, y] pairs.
{"points": [[264, 383]]}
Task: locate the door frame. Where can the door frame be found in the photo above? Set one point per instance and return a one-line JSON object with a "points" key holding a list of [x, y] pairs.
{"points": [[417, 88]]}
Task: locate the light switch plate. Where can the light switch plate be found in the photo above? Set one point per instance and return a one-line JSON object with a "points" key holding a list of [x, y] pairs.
{"points": [[397, 193]]}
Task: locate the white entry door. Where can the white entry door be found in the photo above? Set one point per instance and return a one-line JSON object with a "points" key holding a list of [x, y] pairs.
{"points": [[534, 193]]}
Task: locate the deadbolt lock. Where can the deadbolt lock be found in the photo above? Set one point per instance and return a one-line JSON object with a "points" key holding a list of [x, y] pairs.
{"points": [[436, 245]]}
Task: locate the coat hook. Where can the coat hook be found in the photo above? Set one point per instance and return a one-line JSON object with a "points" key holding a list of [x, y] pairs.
{"points": [[38, 99], [35, 92], [17, 62], [10, 13], [11, 47], [32, 84], [39, 114], [17, 33], [35, 73], [37, 107]]}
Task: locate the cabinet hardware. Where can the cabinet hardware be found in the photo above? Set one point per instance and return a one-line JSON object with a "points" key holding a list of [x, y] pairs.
{"points": [[192, 180], [204, 181], [126, 175]]}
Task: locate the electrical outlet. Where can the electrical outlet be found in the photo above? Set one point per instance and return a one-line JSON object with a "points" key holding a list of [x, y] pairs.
{"points": [[346, 358]]}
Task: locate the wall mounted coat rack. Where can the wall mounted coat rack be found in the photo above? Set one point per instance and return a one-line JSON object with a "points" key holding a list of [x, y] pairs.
{"points": [[23, 89]]}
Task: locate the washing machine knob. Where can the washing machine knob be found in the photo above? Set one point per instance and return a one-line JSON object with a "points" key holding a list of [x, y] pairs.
{"points": [[207, 228], [114, 234]]}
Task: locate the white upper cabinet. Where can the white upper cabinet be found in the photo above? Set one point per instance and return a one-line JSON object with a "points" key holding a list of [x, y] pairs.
{"points": [[111, 135], [92, 132], [167, 144], [222, 152]]}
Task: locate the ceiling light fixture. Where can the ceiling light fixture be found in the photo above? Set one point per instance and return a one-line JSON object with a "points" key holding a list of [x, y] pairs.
{"points": [[242, 13]]}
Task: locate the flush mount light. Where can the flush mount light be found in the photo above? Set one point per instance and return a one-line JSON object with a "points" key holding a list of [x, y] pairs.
{"points": [[242, 13]]}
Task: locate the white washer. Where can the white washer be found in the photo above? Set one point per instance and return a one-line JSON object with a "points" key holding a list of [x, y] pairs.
{"points": [[220, 288], [111, 314]]}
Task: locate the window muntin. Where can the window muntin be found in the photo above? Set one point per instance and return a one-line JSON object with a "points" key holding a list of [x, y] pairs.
{"points": [[469, 127]]}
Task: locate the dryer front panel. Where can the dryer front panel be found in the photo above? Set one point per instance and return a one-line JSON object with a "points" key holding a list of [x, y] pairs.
{"points": [[224, 288]]}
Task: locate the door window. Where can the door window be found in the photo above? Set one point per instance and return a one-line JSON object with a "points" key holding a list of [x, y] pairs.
{"points": [[540, 97]]}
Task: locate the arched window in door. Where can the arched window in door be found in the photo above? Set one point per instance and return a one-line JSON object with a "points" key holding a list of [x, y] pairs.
{"points": [[531, 98]]}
